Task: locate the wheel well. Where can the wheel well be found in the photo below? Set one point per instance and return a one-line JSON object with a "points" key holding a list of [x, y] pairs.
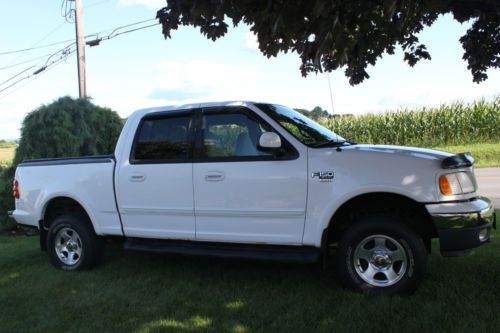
{"points": [[413, 213], [60, 206]]}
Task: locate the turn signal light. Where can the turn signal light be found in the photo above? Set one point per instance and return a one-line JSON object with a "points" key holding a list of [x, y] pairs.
{"points": [[444, 186], [15, 189]]}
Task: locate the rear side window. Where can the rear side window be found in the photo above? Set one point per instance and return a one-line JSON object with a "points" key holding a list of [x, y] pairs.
{"points": [[162, 140]]}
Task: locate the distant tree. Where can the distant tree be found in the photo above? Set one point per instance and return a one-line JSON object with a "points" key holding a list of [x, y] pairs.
{"points": [[303, 111], [353, 34], [318, 113], [67, 127]]}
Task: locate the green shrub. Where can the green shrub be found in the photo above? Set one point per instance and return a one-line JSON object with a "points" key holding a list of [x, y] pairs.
{"points": [[67, 127]]}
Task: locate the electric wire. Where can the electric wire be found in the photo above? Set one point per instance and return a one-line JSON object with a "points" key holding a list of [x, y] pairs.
{"points": [[68, 10], [113, 34], [34, 47], [62, 51], [34, 77], [25, 61], [13, 77], [66, 51], [40, 70]]}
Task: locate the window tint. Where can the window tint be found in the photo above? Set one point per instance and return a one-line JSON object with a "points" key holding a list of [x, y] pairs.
{"points": [[232, 134], [163, 139]]}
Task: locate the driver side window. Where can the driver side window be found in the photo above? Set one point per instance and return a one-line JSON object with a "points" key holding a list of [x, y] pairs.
{"points": [[232, 134]]}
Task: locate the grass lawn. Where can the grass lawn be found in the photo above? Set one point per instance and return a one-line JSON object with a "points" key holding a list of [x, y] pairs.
{"points": [[487, 155], [142, 292]]}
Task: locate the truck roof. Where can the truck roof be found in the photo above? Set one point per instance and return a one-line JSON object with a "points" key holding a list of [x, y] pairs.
{"points": [[142, 112]]}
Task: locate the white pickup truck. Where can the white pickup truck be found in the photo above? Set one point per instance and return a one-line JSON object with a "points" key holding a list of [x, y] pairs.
{"points": [[260, 181]]}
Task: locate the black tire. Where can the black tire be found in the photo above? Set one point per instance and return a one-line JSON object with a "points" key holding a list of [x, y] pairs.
{"points": [[87, 246], [364, 239]]}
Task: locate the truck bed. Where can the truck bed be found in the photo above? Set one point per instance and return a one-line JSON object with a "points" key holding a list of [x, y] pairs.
{"points": [[87, 180]]}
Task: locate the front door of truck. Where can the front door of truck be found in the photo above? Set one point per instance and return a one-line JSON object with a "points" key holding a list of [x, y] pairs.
{"points": [[241, 193], [154, 186]]}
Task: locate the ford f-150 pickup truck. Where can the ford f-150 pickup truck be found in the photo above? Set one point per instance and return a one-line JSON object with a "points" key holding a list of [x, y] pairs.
{"points": [[260, 181]]}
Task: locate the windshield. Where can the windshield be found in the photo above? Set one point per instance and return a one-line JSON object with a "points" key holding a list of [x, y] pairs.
{"points": [[304, 129]]}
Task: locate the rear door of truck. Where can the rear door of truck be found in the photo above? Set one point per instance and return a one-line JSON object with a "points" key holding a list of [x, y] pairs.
{"points": [[154, 183]]}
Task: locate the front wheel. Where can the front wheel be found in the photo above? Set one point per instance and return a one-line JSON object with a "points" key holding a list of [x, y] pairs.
{"points": [[381, 255], [72, 243]]}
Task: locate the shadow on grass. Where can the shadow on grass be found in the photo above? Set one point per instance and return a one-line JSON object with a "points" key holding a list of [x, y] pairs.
{"points": [[142, 292]]}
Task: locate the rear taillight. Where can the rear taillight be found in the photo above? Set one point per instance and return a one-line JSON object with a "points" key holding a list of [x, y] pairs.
{"points": [[15, 189]]}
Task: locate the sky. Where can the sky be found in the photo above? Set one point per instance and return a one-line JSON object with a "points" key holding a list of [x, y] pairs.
{"points": [[142, 69]]}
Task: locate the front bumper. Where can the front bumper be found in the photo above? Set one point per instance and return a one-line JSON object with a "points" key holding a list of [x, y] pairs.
{"points": [[462, 226]]}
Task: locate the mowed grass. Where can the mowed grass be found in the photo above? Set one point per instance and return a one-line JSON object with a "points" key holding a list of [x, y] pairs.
{"points": [[142, 292], [487, 155]]}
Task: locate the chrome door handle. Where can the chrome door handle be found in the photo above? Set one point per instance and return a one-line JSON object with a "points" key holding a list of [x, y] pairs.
{"points": [[137, 178], [214, 176]]}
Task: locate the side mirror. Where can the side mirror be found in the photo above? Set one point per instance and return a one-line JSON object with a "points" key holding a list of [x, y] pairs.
{"points": [[270, 140]]}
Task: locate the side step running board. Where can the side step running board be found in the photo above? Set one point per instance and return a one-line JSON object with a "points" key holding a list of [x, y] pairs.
{"points": [[296, 254]]}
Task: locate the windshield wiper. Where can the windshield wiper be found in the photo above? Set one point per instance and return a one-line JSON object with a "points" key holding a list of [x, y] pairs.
{"points": [[330, 143], [334, 143]]}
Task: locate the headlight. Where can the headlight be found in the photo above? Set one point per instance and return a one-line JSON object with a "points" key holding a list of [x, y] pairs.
{"points": [[456, 183]]}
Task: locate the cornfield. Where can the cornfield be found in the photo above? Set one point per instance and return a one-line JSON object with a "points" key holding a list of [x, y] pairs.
{"points": [[454, 124]]}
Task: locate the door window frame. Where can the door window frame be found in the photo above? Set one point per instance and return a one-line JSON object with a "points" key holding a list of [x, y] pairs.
{"points": [[191, 113], [291, 152]]}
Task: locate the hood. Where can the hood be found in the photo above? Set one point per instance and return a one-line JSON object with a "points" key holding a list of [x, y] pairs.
{"points": [[428, 154]]}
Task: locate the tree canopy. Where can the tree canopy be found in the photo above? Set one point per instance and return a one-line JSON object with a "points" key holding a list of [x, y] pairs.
{"points": [[350, 34]]}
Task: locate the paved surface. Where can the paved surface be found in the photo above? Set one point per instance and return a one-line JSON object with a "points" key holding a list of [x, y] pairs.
{"points": [[488, 180]]}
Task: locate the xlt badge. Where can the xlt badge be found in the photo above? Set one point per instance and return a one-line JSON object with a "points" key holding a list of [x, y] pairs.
{"points": [[323, 176]]}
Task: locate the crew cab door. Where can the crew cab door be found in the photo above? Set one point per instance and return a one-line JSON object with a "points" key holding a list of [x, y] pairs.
{"points": [[243, 194], [154, 186]]}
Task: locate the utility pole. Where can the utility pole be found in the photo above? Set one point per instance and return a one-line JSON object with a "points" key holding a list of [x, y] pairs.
{"points": [[80, 49]]}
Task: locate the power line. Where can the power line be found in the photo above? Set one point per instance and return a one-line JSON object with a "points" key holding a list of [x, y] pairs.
{"points": [[13, 77], [63, 52], [66, 51], [25, 61], [96, 41], [37, 47], [34, 47], [68, 10], [39, 70], [29, 80]]}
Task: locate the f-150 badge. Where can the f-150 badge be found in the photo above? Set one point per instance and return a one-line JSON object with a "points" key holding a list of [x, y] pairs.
{"points": [[323, 176]]}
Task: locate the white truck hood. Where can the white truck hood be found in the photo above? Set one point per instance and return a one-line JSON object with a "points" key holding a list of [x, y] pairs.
{"points": [[429, 154]]}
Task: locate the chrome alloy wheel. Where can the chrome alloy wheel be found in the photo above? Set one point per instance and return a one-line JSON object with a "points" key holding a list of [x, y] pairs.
{"points": [[68, 246], [380, 260]]}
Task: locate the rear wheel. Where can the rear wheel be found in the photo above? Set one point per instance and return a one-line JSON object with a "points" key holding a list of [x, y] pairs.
{"points": [[72, 243], [381, 255]]}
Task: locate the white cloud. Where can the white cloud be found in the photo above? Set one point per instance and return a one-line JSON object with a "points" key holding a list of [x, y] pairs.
{"points": [[251, 41], [208, 79], [154, 4]]}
